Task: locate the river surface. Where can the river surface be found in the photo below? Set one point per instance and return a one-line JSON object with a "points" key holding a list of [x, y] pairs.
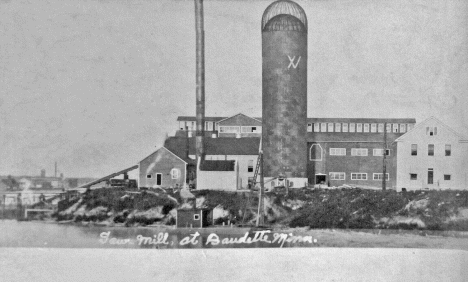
{"points": [[53, 235]]}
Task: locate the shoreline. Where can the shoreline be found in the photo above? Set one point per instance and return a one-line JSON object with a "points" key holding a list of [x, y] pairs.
{"points": [[278, 229]]}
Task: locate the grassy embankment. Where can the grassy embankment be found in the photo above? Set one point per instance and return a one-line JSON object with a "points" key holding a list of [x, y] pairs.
{"points": [[314, 208]]}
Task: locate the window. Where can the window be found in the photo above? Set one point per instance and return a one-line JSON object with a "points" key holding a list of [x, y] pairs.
{"points": [[447, 177], [409, 126], [402, 128], [315, 152], [196, 217], [158, 178], [229, 129], [380, 127], [414, 149], [373, 127], [209, 125], [337, 176], [337, 151], [379, 152], [378, 176], [430, 176], [337, 127], [366, 127], [323, 127], [395, 127], [430, 150], [352, 127], [316, 127], [345, 127], [175, 173], [251, 129], [309, 127], [413, 176], [359, 127], [330, 127], [359, 152], [448, 149], [149, 176], [358, 176], [250, 166], [431, 131], [388, 128]]}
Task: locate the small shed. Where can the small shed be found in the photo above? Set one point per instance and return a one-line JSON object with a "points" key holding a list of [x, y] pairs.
{"points": [[194, 218]]}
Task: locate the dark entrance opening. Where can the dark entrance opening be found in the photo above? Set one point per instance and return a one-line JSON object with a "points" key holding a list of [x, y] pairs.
{"points": [[320, 179], [430, 176]]}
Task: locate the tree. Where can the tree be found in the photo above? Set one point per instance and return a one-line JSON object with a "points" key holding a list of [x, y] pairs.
{"points": [[11, 183]]}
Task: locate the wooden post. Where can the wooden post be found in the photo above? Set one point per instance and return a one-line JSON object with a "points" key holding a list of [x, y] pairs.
{"points": [[384, 164]]}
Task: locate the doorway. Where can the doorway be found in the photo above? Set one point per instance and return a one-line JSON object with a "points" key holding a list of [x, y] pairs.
{"points": [[320, 178]]}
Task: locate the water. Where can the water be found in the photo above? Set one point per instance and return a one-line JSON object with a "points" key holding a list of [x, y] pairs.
{"points": [[52, 235]]}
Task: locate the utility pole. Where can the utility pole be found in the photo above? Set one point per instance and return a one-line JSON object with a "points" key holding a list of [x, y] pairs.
{"points": [[384, 164], [200, 80]]}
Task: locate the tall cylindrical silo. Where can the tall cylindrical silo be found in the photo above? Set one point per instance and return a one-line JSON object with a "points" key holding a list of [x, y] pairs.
{"points": [[284, 91]]}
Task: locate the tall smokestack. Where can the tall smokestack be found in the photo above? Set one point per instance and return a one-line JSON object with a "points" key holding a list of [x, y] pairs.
{"points": [[200, 79], [55, 173]]}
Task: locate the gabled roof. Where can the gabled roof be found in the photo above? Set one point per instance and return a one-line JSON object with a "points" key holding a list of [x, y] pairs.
{"points": [[218, 165], [425, 122], [182, 157], [215, 146], [240, 119]]}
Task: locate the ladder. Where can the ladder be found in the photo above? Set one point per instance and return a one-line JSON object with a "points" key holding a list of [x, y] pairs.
{"points": [[257, 169]]}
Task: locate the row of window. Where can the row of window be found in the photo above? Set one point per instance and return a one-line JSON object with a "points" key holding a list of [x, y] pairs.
{"points": [[358, 127], [316, 152], [431, 149], [238, 129], [357, 176], [322, 127], [430, 176]]}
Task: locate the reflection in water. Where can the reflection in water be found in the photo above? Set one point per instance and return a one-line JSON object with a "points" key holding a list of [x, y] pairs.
{"points": [[42, 234]]}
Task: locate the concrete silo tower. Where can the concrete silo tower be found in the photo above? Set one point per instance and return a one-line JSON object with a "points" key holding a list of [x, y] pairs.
{"points": [[284, 93]]}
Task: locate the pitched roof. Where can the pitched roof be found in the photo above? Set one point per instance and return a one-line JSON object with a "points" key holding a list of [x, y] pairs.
{"points": [[218, 165], [240, 118], [424, 122], [215, 146]]}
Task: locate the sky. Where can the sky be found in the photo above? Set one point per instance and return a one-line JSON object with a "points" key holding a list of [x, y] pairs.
{"points": [[97, 85]]}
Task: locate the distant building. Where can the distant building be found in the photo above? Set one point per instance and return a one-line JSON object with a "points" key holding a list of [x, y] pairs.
{"points": [[433, 156], [238, 125]]}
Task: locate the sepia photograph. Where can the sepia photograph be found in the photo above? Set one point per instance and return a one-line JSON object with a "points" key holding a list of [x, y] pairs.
{"points": [[233, 140]]}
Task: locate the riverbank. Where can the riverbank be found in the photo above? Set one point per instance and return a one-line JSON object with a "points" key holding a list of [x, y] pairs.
{"points": [[314, 208]]}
